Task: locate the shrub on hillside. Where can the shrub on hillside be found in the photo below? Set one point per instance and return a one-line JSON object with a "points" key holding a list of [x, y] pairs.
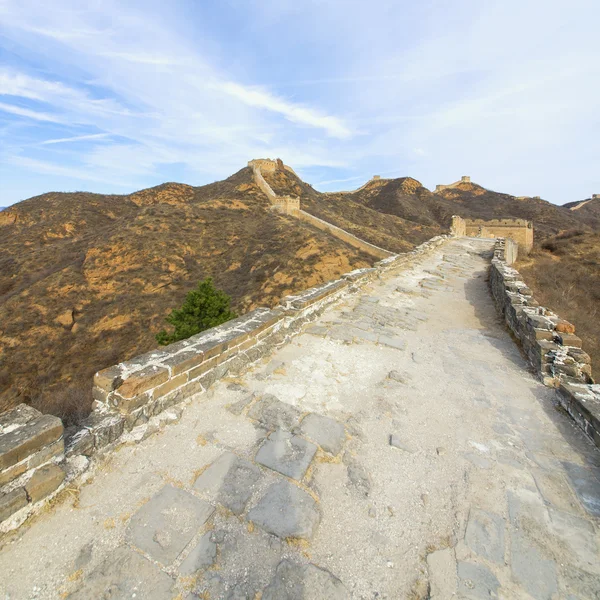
{"points": [[204, 307]]}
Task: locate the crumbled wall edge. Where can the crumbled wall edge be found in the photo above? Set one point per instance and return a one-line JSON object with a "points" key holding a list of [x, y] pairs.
{"points": [[549, 342]]}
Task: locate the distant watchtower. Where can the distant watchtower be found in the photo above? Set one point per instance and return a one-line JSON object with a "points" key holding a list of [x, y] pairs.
{"points": [[595, 196], [465, 179]]}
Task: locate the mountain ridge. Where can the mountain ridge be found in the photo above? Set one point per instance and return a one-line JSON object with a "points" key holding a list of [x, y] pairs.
{"points": [[86, 279]]}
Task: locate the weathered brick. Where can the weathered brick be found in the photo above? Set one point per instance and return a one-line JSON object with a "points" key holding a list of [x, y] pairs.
{"points": [[142, 381], [539, 322], [579, 355], [184, 361], [11, 502], [569, 339], [35, 460], [206, 366], [44, 481], [169, 386], [105, 429], [18, 416], [109, 379], [81, 443], [543, 334], [20, 443]]}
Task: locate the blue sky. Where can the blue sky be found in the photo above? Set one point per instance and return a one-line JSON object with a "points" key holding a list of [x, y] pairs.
{"points": [[113, 96]]}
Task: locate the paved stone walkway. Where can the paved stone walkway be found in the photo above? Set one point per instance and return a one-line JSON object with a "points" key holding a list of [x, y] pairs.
{"points": [[399, 448]]}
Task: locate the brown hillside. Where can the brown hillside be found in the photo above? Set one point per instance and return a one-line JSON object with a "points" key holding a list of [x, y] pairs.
{"points": [[86, 280], [386, 230], [472, 201], [586, 211], [564, 273]]}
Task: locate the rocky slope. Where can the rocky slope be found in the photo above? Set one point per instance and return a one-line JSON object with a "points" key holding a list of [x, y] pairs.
{"points": [[564, 273], [86, 280], [586, 211]]}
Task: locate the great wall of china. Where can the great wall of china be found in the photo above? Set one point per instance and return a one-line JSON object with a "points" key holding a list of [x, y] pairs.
{"points": [[290, 205], [309, 427]]}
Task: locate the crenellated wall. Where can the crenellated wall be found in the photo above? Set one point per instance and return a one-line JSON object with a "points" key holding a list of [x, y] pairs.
{"points": [[548, 341], [519, 230], [136, 398], [291, 206], [441, 187]]}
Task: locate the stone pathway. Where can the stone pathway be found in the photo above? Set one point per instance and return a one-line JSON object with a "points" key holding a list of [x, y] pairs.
{"points": [[398, 448]]}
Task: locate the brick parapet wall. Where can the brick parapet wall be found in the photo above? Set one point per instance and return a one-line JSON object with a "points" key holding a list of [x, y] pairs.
{"points": [[520, 230], [134, 399], [548, 341]]}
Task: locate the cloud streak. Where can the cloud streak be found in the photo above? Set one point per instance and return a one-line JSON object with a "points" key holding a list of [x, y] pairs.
{"points": [[142, 92]]}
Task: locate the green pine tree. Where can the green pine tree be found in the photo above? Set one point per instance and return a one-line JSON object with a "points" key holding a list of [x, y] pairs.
{"points": [[204, 307]]}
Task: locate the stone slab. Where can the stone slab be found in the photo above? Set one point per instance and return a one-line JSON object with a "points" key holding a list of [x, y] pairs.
{"points": [[325, 431], [230, 481], [201, 557], [476, 582], [293, 581], [586, 486], [535, 574], [165, 525], [485, 535], [11, 502], [443, 580], [286, 511], [44, 481], [125, 574], [18, 444], [287, 454], [35, 460], [275, 414], [392, 342]]}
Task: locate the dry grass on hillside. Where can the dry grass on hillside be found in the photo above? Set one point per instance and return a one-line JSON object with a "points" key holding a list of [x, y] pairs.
{"points": [[564, 274]]}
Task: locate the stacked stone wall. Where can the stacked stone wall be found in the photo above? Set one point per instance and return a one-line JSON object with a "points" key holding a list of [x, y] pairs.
{"points": [[136, 398], [31, 450], [548, 341]]}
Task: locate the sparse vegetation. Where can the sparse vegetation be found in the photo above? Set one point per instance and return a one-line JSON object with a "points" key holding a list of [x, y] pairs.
{"points": [[564, 273], [204, 307]]}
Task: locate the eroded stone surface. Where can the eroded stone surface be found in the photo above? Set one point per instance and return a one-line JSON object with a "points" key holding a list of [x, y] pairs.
{"points": [[294, 581], [485, 535], [325, 431], [274, 414], [164, 526], [477, 582], [201, 557], [230, 481], [287, 454], [123, 575], [44, 481], [286, 511]]}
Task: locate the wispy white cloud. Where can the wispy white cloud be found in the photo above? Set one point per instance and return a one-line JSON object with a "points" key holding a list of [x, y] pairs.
{"points": [[29, 114], [173, 92], [293, 112], [76, 138]]}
